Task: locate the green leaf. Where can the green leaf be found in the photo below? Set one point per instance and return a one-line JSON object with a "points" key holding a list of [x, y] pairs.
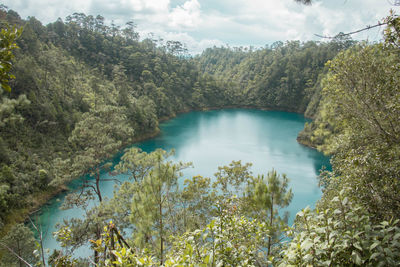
{"points": [[207, 259], [388, 252], [337, 211], [374, 256], [6, 87], [396, 236], [306, 244], [374, 245], [357, 246], [355, 256]]}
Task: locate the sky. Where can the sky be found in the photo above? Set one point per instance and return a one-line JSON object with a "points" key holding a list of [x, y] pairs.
{"points": [[204, 23]]}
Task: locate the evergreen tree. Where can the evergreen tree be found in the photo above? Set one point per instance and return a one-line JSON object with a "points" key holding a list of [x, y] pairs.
{"points": [[264, 196], [152, 206], [18, 246]]}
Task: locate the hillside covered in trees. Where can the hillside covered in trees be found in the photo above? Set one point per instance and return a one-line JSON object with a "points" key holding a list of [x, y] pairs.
{"points": [[83, 90]]}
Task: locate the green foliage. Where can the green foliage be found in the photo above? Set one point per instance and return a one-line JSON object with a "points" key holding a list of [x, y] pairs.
{"points": [[84, 89], [343, 235], [267, 192], [8, 36], [117, 252], [98, 136], [81, 74], [282, 76], [203, 247], [19, 241], [196, 203], [136, 163], [264, 196], [152, 202], [359, 123], [57, 259], [8, 116], [392, 38], [161, 215], [235, 175], [7, 182], [229, 240]]}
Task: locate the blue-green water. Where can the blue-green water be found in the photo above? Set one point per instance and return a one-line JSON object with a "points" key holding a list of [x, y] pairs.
{"points": [[215, 138]]}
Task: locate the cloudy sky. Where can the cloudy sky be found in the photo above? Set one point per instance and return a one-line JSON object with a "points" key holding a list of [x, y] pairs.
{"points": [[204, 23]]}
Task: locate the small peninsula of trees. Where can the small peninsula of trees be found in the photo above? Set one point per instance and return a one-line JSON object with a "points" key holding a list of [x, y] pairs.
{"points": [[76, 92]]}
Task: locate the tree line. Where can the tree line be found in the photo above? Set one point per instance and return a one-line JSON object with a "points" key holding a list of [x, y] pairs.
{"points": [[82, 90]]}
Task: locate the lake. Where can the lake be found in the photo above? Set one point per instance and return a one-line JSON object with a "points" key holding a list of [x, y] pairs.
{"points": [[214, 138]]}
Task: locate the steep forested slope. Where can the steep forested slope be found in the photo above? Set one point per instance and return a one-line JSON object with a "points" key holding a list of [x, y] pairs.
{"points": [[81, 66], [66, 70], [358, 124], [84, 89], [284, 76]]}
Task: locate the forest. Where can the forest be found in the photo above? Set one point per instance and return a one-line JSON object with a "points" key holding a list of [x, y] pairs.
{"points": [[77, 91]]}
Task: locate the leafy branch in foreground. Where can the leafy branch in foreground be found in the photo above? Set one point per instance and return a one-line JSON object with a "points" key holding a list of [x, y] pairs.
{"points": [[229, 240], [207, 222], [342, 236], [8, 36]]}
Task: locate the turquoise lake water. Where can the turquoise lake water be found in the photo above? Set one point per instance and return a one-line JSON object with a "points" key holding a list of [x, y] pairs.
{"points": [[210, 139]]}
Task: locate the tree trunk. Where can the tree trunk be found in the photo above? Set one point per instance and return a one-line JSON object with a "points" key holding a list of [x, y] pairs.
{"points": [[21, 264], [161, 236], [98, 236], [98, 186], [270, 224]]}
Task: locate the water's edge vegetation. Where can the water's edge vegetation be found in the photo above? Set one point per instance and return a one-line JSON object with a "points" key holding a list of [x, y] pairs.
{"points": [[83, 90]]}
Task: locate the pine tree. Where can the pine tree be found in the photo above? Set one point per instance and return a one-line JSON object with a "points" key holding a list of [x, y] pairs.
{"points": [[264, 196]]}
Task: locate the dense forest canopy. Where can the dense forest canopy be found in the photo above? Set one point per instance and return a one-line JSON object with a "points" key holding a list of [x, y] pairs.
{"points": [[79, 90]]}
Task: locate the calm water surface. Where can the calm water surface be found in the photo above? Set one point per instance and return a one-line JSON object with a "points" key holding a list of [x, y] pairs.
{"points": [[215, 138]]}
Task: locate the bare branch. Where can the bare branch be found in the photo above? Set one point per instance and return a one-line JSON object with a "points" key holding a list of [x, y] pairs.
{"points": [[40, 232], [304, 2], [112, 180], [33, 212], [16, 255], [350, 33], [394, 3]]}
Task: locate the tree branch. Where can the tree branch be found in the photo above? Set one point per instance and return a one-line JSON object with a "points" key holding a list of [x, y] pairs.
{"points": [[304, 2], [16, 255], [350, 33], [40, 232], [111, 180]]}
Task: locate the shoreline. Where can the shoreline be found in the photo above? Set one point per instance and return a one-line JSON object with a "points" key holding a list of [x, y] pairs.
{"points": [[42, 198], [306, 143], [187, 110], [64, 187]]}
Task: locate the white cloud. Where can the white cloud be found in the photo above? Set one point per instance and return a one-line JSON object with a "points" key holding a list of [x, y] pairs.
{"points": [[185, 16], [46, 11], [201, 23], [193, 45]]}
